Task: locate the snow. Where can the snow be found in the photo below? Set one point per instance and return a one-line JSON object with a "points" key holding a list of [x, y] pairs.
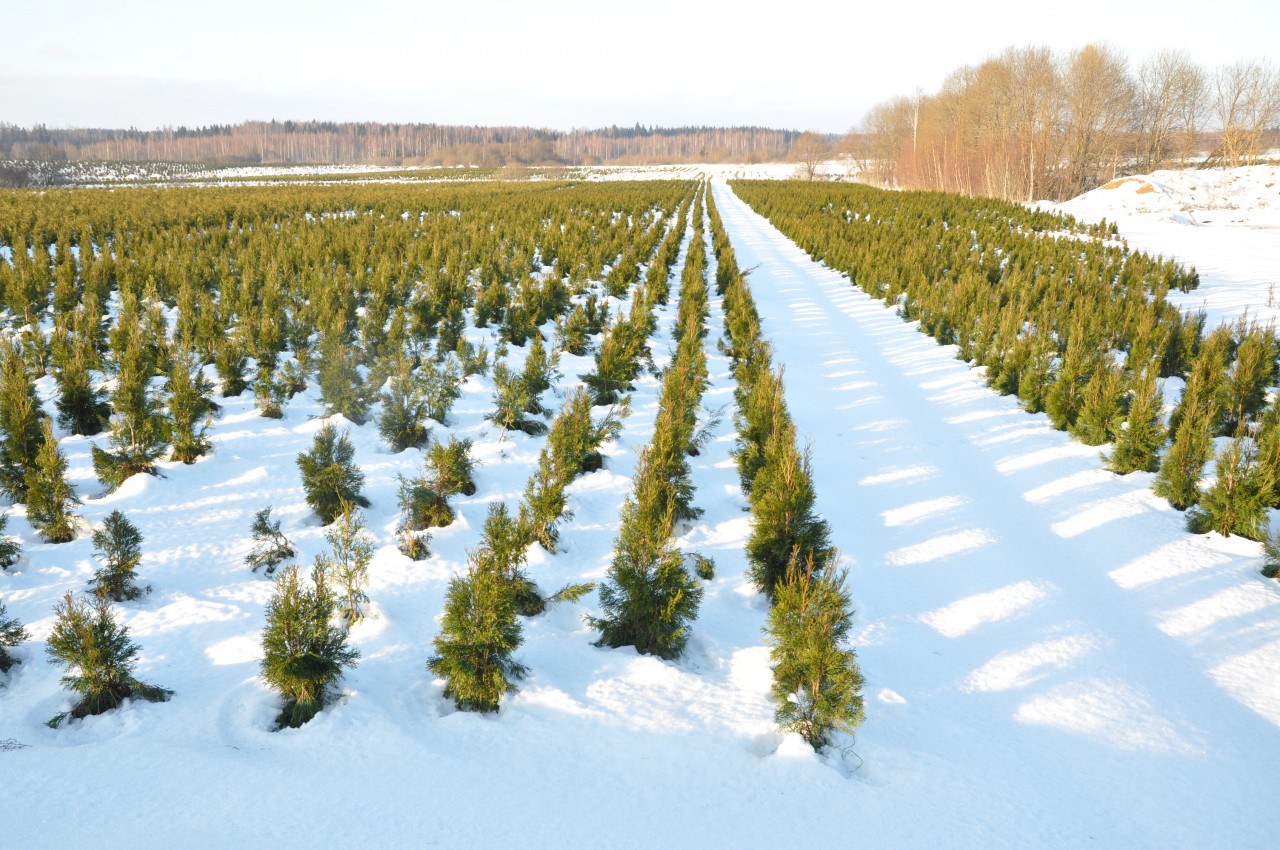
{"points": [[1050, 660]]}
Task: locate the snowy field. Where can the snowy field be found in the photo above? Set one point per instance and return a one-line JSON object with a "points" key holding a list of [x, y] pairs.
{"points": [[1050, 660]]}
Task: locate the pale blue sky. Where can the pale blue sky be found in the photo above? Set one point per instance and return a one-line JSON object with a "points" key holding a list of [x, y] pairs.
{"points": [[558, 63]]}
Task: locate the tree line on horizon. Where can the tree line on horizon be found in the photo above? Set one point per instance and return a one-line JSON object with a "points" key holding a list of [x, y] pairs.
{"points": [[1029, 124], [304, 142]]}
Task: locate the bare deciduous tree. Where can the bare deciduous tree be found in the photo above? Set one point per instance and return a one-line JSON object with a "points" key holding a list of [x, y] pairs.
{"points": [[1246, 101], [810, 149]]}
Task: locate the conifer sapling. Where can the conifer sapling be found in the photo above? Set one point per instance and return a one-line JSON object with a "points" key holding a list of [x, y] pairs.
{"points": [[99, 658], [118, 545]]}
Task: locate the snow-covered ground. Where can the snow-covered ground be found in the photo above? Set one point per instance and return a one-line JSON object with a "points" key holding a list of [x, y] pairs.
{"points": [[1051, 661], [1226, 223]]}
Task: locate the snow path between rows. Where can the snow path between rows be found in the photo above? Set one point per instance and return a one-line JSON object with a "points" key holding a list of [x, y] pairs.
{"points": [[1050, 659]]}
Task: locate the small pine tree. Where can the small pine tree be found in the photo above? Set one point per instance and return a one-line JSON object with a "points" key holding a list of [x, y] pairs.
{"points": [[1138, 444], [441, 387], [230, 363], [99, 657], [1101, 407], [544, 502], [348, 565], [11, 634], [1236, 503], [478, 635], [451, 468], [269, 391], [512, 402], [49, 496], [10, 549], [342, 389], [20, 434], [649, 598], [139, 430], [1178, 478], [403, 411], [118, 544], [191, 409], [1270, 552], [785, 526], [82, 408], [817, 686], [330, 475], [270, 547], [304, 655]]}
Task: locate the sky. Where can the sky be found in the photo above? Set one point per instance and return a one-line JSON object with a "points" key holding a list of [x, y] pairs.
{"points": [[560, 64]]}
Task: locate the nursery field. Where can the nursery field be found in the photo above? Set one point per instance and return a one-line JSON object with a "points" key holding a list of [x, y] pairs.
{"points": [[582, 498]]}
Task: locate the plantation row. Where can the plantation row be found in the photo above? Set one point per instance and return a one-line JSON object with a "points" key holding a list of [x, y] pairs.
{"points": [[817, 685], [1069, 320]]}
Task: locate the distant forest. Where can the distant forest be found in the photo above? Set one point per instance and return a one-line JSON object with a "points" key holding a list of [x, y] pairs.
{"points": [[303, 142]]}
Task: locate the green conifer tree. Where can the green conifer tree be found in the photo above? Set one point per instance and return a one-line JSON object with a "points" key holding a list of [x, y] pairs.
{"points": [[49, 495], [270, 547], [99, 658], [1237, 501], [1138, 443], [10, 549], [478, 635], [347, 565], [649, 598], [786, 527], [817, 686], [304, 654], [139, 430], [191, 409], [404, 410], [118, 545], [82, 408], [20, 433], [11, 634], [330, 475]]}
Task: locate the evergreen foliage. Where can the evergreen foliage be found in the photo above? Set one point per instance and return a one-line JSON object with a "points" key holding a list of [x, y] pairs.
{"points": [[138, 428], [10, 549], [1270, 559], [348, 564], [49, 495], [330, 475], [1138, 443], [191, 409], [270, 547], [817, 686], [648, 599], [99, 658], [786, 528], [12, 633], [404, 409], [479, 633], [451, 468], [304, 654], [1237, 501], [118, 545], [82, 407], [20, 433]]}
